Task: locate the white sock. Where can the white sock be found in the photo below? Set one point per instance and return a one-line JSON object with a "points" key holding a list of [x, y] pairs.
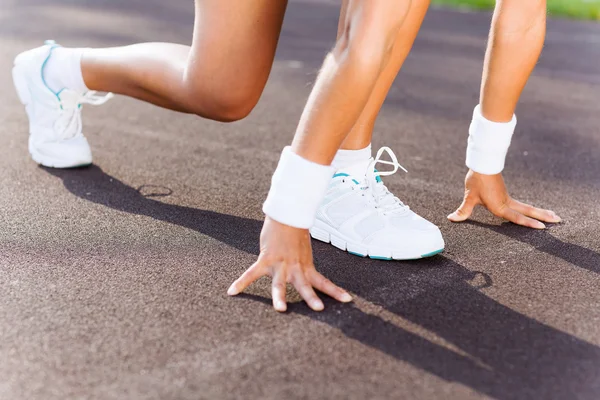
{"points": [[63, 70], [354, 162]]}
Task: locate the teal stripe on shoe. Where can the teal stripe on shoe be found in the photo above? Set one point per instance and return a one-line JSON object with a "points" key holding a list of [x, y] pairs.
{"points": [[380, 258], [53, 46], [377, 177], [341, 174], [357, 254]]}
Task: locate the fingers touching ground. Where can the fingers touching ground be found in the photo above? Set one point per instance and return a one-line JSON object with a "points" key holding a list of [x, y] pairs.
{"points": [[517, 218], [515, 212], [324, 285], [464, 211], [490, 191], [304, 280], [533, 212], [527, 215], [305, 289], [253, 273], [278, 289]]}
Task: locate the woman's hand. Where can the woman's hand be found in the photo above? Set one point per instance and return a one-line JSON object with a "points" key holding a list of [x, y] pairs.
{"points": [[286, 256], [490, 191]]}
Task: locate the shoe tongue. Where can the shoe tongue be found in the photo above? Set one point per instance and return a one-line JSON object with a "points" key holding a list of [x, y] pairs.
{"points": [[69, 98]]}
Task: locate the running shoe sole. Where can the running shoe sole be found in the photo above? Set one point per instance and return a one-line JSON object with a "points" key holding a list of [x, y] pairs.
{"points": [[324, 233]]}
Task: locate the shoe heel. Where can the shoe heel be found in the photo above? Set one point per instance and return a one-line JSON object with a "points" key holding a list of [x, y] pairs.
{"points": [[20, 81]]}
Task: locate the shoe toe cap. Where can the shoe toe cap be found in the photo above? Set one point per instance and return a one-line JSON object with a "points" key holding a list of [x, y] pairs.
{"points": [[409, 231]]}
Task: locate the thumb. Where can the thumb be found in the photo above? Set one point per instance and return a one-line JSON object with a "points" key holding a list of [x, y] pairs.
{"points": [[465, 210]]}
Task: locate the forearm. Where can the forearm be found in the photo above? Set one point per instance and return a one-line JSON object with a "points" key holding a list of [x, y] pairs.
{"points": [[515, 43]]}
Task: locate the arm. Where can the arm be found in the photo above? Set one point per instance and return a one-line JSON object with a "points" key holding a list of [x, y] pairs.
{"points": [[515, 43], [341, 91]]}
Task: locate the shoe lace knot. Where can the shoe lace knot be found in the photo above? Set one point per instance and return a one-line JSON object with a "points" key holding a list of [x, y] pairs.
{"points": [[383, 199], [68, 125]]}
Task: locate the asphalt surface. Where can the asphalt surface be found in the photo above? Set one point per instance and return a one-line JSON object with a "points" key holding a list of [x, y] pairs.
{"points": [[113, 277]]}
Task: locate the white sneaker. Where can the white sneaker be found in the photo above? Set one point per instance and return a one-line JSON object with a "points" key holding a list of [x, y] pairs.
{"points": [[361, 216], [55, 131]]}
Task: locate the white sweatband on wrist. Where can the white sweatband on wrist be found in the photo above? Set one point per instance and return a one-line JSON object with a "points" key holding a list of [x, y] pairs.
{"points": [[297, 190], [488, 143]]}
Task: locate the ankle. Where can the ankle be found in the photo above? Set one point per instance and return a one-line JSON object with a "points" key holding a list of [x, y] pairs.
{"points": [[345, 158], [63, 70]]}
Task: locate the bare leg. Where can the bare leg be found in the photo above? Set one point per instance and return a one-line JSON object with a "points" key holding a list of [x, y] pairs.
{"points": [[348, 77], [516, 40], [221, 76], [361, 133], [515, 43], [341, 92]]}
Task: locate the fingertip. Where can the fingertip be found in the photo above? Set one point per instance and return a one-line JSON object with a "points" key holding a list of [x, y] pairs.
{"points": [[454, 217], [346, 298], [233, 290], [280, 306], [555, 218], [539, 225], [317, 305]]}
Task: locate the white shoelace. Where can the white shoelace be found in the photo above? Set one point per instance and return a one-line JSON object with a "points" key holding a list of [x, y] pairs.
{"points": [[383, 199], [68, 125]]}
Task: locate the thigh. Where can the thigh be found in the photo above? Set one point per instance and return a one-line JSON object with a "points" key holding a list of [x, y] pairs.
{"points": [[235, 42]]}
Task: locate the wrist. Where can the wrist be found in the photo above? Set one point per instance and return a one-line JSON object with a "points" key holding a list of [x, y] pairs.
{"points": [[297, 189], [282, 226], [488, 143]]}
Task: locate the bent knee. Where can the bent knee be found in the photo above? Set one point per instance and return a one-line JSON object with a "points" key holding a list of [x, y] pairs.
{"points": [[231, 108], [223, 104]]}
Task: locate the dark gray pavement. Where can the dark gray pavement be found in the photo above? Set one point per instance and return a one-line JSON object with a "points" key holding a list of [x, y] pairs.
{"points": [[113, 277]]}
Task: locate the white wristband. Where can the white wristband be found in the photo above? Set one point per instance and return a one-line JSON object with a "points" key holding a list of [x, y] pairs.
{"points": [[297, 189], [488, 143]]}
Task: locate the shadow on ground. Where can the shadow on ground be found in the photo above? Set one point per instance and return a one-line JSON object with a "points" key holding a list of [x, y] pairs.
{"points": [[545, 242], [492, 349]]}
